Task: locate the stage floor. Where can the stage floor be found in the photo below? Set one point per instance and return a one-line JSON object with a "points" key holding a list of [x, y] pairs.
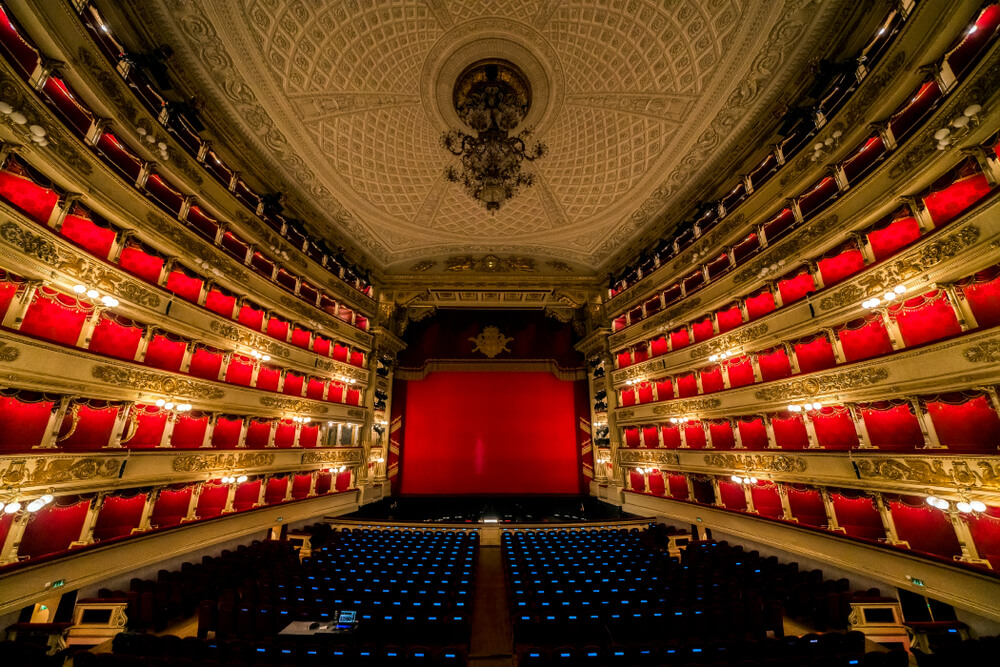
{"points": [[506, 510]]}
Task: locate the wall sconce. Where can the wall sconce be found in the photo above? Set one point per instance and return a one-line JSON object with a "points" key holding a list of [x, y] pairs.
{"points": [[94, 295], [888, 297], [168, 404]]}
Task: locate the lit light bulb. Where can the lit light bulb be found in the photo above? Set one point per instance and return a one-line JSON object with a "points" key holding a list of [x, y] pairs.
{"points": [[736, 478], [47, 498], [265, 357], [978, 506], [963, 507], [874, 301], [898, 289], [12, 507], [79, 289], [889, 296], [93, 294], [307, 420], [932, 501], [35, 505], [160, 402], [746, 480], [241, 479], [168, 406], [107, 300]]}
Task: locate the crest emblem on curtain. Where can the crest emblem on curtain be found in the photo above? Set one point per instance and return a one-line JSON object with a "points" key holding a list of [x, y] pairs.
{"points": [[491, 342]]}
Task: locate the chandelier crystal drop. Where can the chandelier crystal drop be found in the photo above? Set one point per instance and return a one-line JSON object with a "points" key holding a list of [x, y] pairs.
{"points": [[492, 98]]}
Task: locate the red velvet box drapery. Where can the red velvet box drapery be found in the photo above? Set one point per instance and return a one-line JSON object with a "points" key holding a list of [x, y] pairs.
{"points": [[83, 231], [892, 425], [898, 233], [171, 507], [145, 427], [814, 353], [246, 495], [982, 292], [277, 328], [679, 338], [965, 421], [925, 528], [972, 42], [258, 433], [300, 486], [300, 338], [251, 316], [766, 500], [678, 487], [841, 263], [806, 505], [240, 370], [925, 318], [711, 380], [639, 354], [759, 304], [116, 336], [212, 500], [293, 384], [858, 516], [671, 436], [340, 352], [336, 392], [636, 481], [732, 495], [165, 351], [774, 364], [796, 285], [906, 118], [645, 392], [321, 346], [34, 200], [23, 56], [119, 516], [694, 434], [985, 530], [52, 528], [10, 284], [267, 378], [226, 433], [24, 418], [650, 436], [343, 481], [284, 434], [353, 397], [817, 195], [753, 433], [740, 370], [631, 436], [141, 262], [657, 484], [314, 389], [55, 316], [703, 330], [948, 202], [835, 428], [189, 430], [624, 359], [861, 160], [87, 425], [687, 385], [664, 389], [658, 346], [185, 284], [219, 301], [722, 435], [357, 358], [864, 338], [206, 362], [276, 489], [324, 482], [729, 318], [789, 431], [308, 435]]}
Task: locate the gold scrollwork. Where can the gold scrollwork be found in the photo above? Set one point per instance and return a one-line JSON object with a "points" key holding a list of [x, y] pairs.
{"points": [[764, 463], [293, 405], [637, 371], [258, 342], [729, 341], [160, 383], [625, 414], [352, 455], [821, 384], [684, 407], [200, 462], [986, 352], [8, 352], [55, 470], [933, 471], [653, 456]]}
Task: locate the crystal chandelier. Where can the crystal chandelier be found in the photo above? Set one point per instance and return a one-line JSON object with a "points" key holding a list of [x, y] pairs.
{"points": [[492, 98]]}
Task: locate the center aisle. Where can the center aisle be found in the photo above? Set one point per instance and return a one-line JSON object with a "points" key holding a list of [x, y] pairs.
{"points": [[492, 640]]}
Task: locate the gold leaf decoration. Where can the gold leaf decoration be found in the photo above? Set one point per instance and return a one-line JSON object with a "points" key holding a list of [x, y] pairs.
{"points": [[350, 455], [239, 335], [8, 352], [647, 456], [293, 405], [986, 352], [491, 342], [729, 341], [156, 382], [242, 460], [822, 384], [57, 469], [755, 462], [684, 407]]}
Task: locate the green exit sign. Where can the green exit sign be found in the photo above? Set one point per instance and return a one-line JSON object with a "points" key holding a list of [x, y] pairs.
{"points": [[58, 583], [917, 582]]}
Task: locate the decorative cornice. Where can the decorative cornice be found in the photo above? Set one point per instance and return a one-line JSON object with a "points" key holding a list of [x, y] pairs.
{"points": [[650, 456], [238, 334], [156, 382], [349, 455], [804, 238], [227, 461], [933, 471], [741, 336], [29, 472], [822, 384], [293, 405], [686, 407], [781, 463], [986, 352], [637, 371]]}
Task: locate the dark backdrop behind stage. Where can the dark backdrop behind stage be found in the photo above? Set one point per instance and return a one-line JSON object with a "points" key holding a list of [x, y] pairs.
{"points": [[463, 423]]}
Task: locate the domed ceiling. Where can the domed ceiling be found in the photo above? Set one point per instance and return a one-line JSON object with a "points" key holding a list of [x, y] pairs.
{"points": [[343, 103]]}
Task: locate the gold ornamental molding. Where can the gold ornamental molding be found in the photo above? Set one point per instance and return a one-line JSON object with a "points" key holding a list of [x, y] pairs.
{"points": [[202, 462], [862, 377], [156, 382], [238, 334], [210, 256], [805, 238], [758, 462], [491, 342], [625, 414], [8, 352], [352, 455], [647, 456], [729, 341], [28, 472], [60, 258], [293, 405], [903, 269], [354, 372], [685, 407], [978, 473], [986, 352], [637, 371]]}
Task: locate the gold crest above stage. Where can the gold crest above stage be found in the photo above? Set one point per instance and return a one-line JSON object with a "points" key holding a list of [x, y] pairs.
{"points": [[491, 342]]}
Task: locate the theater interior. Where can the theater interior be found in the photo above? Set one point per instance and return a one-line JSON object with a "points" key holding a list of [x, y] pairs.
{"points": [[499, 332]]}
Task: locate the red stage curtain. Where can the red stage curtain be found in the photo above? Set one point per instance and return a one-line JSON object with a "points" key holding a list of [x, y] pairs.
{"points": [[88, 234], [119, 516], [251, 317], [36, 201], [658, 346], [671, 436], [740, 371], [703, 330], [267, 378], [794, 287], [353, 397], [324, 482], [171, 507], [276, 489], [722, 435], [898, 234], [864, 338], [189, 430], [343, 481], [925, 318], [246, 495], [982, 291], [300, 338], [308, 435], [807, 506], [479, 449], [759, 304], [631, 436], [24, 417], [340, 352], [146, 424], [240, 370], [300, 486], [53, 528], [624, 359], [985, 530], [664, 389], [679, 339], [116, 337], [221, 302], [774, 364], [226, 434], [55, 316], [165, 352], [846, 262], [277, 328], [694, 434], [789, 431], [925, 528], [314, 389], [321, 346], [766, 500], [687, 385], [336, 393], [948, 203], [858, 516], [753, 433], [678, 487], [814, 354], [732, 495], [206, 362], [212, 500], [657, 485], [293, 384], [284, 434], [258, 433], [965, 423], [141, 262], [729, 319], [88, 425], [711, 380], [645, 391], [835, 428], [188, 287], [892, 425]]}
